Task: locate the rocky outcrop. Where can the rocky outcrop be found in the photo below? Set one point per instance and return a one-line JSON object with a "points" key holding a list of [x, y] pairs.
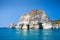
{"points": [[12, 25], [34, 19], [56, 24]]}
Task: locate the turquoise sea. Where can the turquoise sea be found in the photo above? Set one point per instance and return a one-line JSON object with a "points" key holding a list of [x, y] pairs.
{"points": [[32, 34]]}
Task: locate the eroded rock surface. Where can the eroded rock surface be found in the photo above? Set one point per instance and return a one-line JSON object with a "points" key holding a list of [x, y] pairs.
{"points": [[35, 19], [12, 25]]}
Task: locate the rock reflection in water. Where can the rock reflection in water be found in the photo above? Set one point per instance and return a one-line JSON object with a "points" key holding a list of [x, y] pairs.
{"points": [[34, 34], [46, 35]]}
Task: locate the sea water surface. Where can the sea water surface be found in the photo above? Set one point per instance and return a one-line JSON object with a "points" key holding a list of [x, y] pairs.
{"points": [[32, 34]]}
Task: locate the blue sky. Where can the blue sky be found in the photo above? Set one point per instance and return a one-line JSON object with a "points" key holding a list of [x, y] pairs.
{"points": [[12, 10]]}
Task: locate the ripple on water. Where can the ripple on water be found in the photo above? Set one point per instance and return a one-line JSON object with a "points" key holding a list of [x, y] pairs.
{"points": [[32, 34]]}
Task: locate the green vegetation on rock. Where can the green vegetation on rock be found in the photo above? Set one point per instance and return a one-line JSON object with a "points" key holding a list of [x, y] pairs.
{"points": [[55, 21]]}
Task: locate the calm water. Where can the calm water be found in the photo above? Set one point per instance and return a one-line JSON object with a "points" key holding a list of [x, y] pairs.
{"points": [[32, 34]]}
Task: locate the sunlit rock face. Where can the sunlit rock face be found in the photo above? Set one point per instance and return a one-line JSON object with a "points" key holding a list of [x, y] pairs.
{"points": [[12, 25], [35, 19]]}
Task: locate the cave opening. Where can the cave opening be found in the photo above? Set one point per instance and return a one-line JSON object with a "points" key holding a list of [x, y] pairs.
{"points": [[40, 26], [28, 26], [22, 25]]}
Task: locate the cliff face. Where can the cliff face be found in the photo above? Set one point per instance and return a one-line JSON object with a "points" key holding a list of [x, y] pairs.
{"points": [[35, 19]]}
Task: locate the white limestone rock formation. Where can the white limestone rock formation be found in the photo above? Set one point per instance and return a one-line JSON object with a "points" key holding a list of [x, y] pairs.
{"points": [[12, 25], [35, 19]]}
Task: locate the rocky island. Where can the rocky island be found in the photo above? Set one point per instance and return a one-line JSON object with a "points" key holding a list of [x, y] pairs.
{"points": [[36, 19]]}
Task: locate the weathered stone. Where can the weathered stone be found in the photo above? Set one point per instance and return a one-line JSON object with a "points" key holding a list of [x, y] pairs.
{"points": [[33, 18], [12, 25]]}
